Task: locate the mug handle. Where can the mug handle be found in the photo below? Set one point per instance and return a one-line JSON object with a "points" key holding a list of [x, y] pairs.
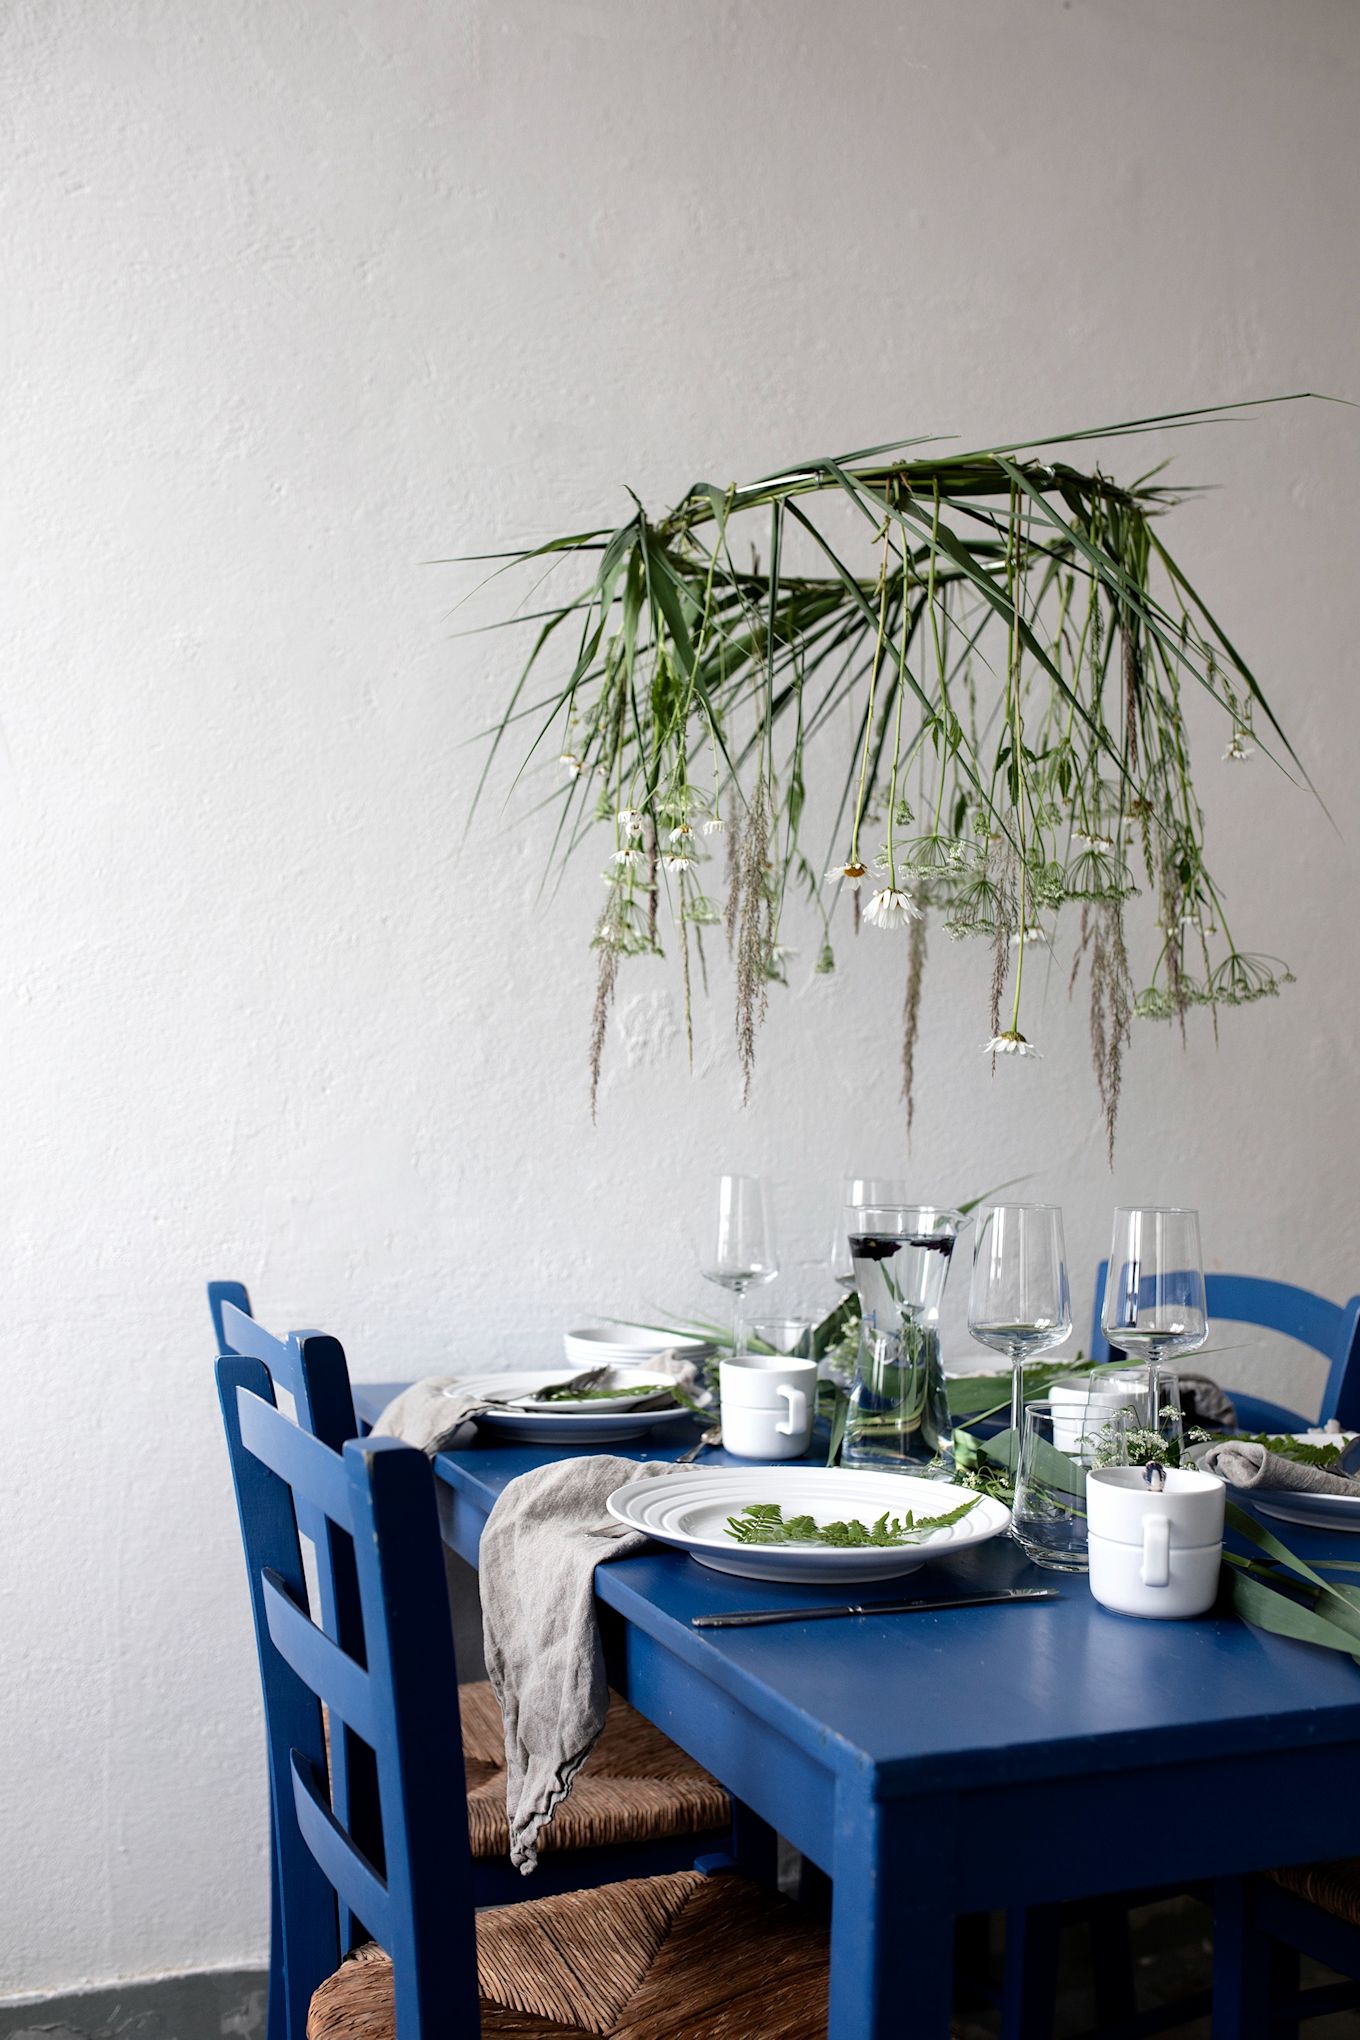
{"points": [[797, 1417], [1156, 1568]]}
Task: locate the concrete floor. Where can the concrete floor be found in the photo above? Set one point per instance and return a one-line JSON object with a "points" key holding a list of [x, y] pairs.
{"points": [[226, 2004]]}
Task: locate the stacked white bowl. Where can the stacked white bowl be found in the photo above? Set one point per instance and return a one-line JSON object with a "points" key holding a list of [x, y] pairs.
{"points": [[625, 1345]]}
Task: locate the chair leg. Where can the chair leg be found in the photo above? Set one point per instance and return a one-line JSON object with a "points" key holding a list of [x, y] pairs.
{"points": [[276, 2016], [1242, 1965], [1031, 1984]]}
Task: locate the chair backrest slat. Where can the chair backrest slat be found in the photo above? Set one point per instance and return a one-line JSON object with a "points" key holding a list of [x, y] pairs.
{"points": [[312, 1470], [418, 1902], [354, 1878], [332, 1676], [1331, 1329]]}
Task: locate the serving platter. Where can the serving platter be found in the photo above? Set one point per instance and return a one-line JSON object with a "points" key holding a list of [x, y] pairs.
{"points": [[690, 1509]]}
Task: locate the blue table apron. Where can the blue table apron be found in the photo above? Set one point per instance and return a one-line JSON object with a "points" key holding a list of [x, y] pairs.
{"points": [[973, 1759]]}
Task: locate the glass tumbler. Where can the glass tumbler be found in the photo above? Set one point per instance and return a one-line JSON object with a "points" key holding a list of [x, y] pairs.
{"points": [[1059, 1444]]}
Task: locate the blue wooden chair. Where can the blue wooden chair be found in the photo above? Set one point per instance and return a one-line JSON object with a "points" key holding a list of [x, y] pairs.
{"points": [[678, 1954], [641, 1805], [1261, 1927], [1332, 1329]]}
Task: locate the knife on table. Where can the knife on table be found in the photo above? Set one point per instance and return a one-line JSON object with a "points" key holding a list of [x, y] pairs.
{"points": [[750, 1618]]}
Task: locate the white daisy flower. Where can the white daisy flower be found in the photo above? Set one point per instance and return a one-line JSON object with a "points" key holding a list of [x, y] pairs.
{"points": [[852, 873], [714, 825], [628, 855], [571, 764], [1010, 1043], [1093, 842], [1032, 933], [676, 860], [680, 835], [890, 907], [630, 821], [1239, 750]]}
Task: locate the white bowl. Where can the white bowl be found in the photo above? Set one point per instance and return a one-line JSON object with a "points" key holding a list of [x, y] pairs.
{"points": [[596, 1345]]}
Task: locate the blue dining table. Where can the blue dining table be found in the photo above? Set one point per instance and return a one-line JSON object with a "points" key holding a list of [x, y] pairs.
{"points": [[966, 1760]]}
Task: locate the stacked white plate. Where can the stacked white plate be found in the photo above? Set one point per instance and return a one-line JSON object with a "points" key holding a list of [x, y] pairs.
{"points": [[690, 1509], [622, 1345], [1321, 1512], [564, 1423]]}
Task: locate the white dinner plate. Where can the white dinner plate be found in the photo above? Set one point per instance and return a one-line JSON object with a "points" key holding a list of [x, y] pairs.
{"points": [[690, 1508], [551, 1424], [1320, 1512]]}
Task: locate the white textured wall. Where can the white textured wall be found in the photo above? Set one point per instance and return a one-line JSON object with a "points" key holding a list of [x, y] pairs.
{"points": [[299, 296]]}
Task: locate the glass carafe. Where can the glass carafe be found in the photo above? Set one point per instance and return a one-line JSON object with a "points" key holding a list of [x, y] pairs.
{"points": [[899, 1407]]}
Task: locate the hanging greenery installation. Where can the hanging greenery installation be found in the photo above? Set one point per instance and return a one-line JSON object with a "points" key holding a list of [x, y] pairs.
{"points": [[989, 652]]}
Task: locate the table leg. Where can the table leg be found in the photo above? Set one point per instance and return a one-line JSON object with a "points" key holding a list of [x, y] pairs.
{"points": [[1242, 1965], [1031, 1972], [892, 1944]]}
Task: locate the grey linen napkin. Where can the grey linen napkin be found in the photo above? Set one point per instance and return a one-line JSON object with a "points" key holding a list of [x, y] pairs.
{"points": [[543, 1539], [1244, 1464], [431, 1412]]}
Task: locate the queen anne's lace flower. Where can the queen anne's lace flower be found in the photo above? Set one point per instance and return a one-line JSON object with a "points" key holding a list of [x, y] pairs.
{"points": [[890, 907], [1012, 1042], [851, 873]]}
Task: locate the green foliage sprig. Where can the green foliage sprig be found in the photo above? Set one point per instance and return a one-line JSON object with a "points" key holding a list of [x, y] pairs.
{"points": [[1000, 640], [765, 1523]]}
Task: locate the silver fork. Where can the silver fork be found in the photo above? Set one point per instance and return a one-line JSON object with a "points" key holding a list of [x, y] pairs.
{"points": [[712, 1436]]}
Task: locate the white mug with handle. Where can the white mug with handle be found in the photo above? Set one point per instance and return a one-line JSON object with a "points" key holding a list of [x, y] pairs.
{"points": [[769, 1404], [1155, 1549]]}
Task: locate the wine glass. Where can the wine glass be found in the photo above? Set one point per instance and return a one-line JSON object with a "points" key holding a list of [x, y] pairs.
{"points": [[1019, 1302], [856, 1191], [743, 1251], [1155, 1305]]}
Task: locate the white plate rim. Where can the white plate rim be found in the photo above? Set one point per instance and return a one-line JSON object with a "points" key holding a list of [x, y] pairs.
{"points": [[992, 1514]]}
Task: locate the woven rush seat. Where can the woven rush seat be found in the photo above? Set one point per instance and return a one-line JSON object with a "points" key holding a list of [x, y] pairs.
{"points": [[1333, 1887], [635, 1786], [683, 1957]]}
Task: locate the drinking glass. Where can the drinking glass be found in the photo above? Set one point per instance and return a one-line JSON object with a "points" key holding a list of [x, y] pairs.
{"points": [[857, 1191], [1059, 1444], [1155, 1305], [1019, 1302], [1163, 1417], [743, 1252], [791, 1336]]}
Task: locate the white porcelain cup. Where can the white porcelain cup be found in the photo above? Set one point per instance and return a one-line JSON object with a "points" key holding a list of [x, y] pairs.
{"points": [[1154, 1551], [768, 1405], [1082, 1405]]}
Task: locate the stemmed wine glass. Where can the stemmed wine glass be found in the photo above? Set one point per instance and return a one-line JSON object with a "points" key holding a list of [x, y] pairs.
{"points": [[857, 1191], [743, 1253], [1155, 1304], [1019, 1301]]}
